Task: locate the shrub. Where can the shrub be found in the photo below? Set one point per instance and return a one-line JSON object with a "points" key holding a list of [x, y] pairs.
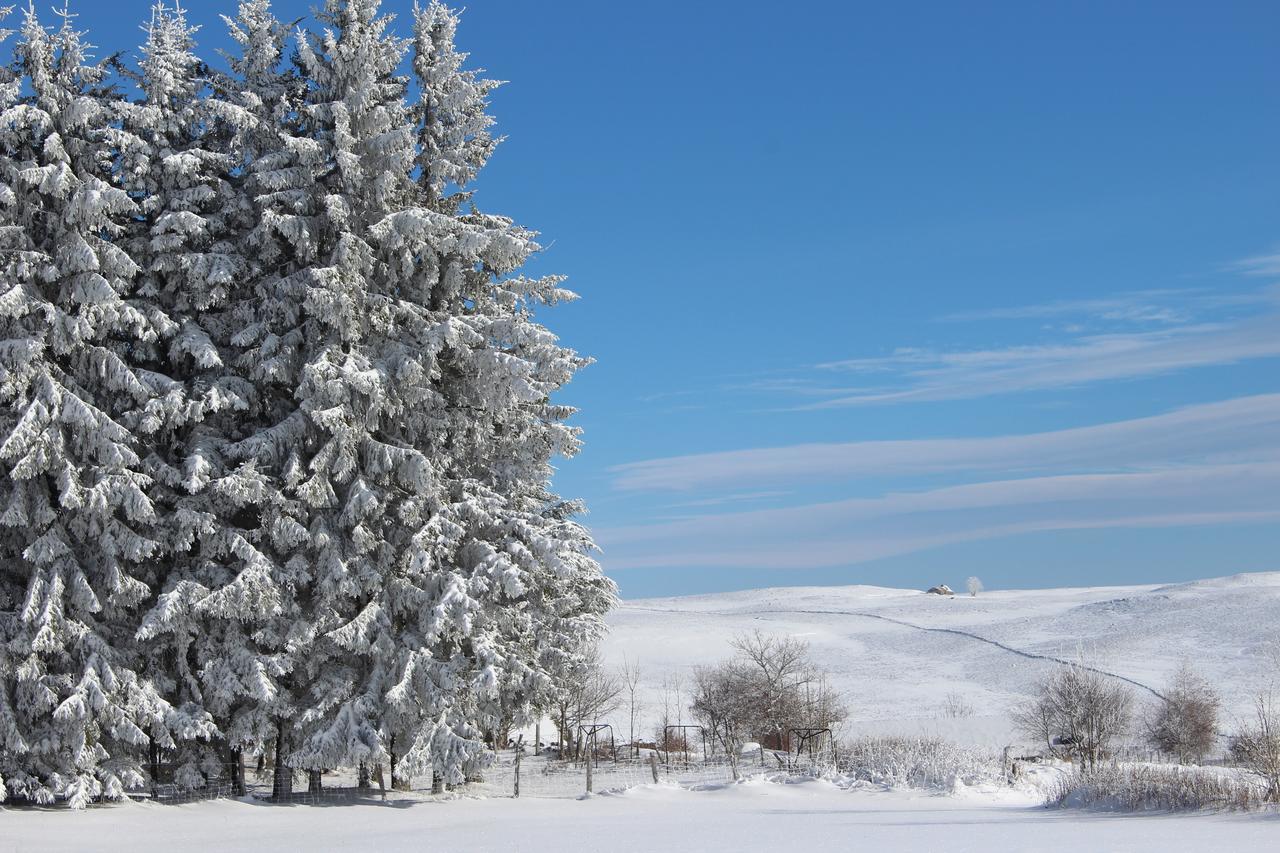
{"points": [[916, 762], [1257, 745], [1147, 788]]}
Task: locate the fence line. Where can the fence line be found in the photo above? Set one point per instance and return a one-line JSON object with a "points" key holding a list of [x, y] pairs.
{"points": [[541, 776]]}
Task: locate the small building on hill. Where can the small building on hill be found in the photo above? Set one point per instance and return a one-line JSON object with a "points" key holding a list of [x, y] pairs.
{"points": [[940, 589]]}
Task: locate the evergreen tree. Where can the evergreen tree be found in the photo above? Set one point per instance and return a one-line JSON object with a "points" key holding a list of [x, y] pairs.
{"points": [[505, 574], [277, 425], [178, 152], [447, 585], [80, 526]]}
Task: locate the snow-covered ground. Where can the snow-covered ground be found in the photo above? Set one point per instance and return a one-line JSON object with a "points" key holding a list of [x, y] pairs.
{"points": [[758, 815], [897, 654]]}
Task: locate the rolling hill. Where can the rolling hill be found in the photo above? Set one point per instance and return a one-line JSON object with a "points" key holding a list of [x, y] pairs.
{"points": [[898, 654]]}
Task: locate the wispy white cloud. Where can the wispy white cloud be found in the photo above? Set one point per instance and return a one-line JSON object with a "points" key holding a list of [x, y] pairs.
{"points": [[1207, 464], [917, 375], [856, 530], [1140, 307], [739, 497], [1082, 342], [1263, 265], [1242, 426], [1145, 306]]}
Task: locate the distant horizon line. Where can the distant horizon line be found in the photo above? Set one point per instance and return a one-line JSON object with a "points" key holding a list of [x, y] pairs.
{"points": [[959, 591]]}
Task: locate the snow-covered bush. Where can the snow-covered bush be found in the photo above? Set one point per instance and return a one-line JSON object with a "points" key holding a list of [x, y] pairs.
{"points": [[916, 762], [1146, 787]]}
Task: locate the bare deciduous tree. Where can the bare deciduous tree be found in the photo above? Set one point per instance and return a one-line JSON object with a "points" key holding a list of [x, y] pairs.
{"points": [[1078, 714], [723, 700], [1257, 746], [589, 694], [791, 691], [631, 684], [665, 719], [956, 706], [974, 585], [770, 686], [1185, 723]]}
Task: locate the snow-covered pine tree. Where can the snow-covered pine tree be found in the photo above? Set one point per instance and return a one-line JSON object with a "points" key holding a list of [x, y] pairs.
{"points": [[79, 526], [178, 154], [13, 582], [440, 584], [507, 577], [307, 427], [251, 617], [346, 468]]}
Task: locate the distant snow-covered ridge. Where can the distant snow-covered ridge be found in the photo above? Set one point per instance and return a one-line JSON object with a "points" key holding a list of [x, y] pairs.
{"points": [[896, 654]]}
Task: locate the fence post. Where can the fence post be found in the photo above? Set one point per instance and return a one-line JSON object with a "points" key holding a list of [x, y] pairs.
{"points": [[153, 764], [519, 753], [237, 774], [653, 766], [589, 756]]}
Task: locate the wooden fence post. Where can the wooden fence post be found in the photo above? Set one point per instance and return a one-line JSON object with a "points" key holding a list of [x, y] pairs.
{"points": [[519, 753], [589, 762]]}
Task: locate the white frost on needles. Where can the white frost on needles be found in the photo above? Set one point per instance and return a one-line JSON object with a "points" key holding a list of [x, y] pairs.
{"points": [[277, 424]]}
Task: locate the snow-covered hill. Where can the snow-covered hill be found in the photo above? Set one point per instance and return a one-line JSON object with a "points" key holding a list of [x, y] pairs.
{"points": [[897, 654]]}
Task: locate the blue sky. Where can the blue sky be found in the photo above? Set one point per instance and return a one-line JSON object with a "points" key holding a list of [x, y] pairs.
{"points": [[899, 293]]}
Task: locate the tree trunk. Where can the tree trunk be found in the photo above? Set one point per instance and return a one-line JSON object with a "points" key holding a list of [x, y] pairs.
{"points": [[282, 776], [397, 782], [238, 788], [362, 777], [153, 755], [315, 783], [437, 783]]}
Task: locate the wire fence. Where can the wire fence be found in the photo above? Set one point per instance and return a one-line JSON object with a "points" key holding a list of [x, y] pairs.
{"points": [[547, 777], [183, 783], [542, 776]]}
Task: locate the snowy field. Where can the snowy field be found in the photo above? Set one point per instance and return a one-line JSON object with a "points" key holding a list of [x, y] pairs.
{"points": [[897, 654], [810, 816]]}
